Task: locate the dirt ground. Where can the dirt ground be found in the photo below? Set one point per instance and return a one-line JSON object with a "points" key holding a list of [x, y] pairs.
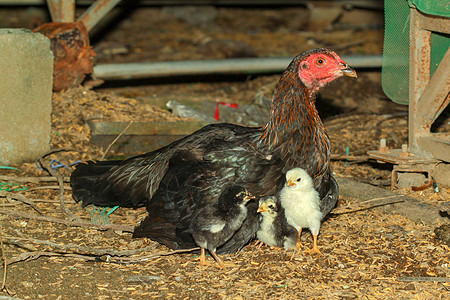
{"points": [[366, 254]]}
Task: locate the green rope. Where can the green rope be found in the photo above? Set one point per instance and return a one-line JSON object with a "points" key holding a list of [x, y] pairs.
{"points": [[99, 215], [12, 187], [11, 168]]}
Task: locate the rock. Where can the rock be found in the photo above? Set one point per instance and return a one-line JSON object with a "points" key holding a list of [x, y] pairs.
{"points": [[26, 62], [407, 180], [412, 208], [186, 111], [442, 174], [443, 233]]}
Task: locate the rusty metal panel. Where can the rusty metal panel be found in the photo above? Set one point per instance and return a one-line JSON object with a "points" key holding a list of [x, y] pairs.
{"points": [[438, 144], [61, 10], [419, 76], [96, 12], [435, 97], [435, 23]]}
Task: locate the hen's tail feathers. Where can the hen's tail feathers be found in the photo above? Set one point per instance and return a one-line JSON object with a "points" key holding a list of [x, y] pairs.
{"points": [[164, 233], [85, 183], [328, 202]]}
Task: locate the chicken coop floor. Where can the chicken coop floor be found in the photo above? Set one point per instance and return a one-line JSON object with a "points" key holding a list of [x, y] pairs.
{"points": [[367, 254]]}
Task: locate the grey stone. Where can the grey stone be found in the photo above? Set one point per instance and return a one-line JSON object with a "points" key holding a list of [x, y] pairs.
{"points": [[26, 83]]}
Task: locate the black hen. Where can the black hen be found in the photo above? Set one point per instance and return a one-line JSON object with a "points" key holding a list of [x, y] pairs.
{"points": [[175, 181]]}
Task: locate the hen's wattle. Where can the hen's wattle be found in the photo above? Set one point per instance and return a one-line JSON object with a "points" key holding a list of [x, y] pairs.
{"points": [[178, 180]]}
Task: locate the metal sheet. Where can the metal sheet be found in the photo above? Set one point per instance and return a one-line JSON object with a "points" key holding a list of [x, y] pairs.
{"points": [[223, 66]]}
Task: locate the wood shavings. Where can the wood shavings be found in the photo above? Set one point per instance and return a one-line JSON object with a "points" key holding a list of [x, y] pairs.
{"points": [[364, 253]]}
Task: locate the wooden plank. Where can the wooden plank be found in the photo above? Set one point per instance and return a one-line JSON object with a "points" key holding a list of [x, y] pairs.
{"points": [[145, 128], [140, 137]]}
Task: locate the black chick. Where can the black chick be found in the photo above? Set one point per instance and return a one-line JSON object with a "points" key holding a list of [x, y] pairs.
{"points": [[274, 230], [215, 224]]}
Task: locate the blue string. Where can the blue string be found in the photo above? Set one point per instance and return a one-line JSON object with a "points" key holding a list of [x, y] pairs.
{"points": [[38, 166], [74, 163], [56, 164]]}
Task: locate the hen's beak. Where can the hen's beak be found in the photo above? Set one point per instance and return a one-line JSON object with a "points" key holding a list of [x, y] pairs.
{"points": [[348, 71], [262, 209], [290, 183]]}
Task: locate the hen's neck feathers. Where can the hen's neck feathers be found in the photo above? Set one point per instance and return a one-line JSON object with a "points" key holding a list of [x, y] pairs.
{"points": [[295, 127]]}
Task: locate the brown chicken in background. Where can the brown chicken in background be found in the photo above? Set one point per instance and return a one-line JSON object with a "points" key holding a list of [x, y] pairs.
{"points": [[73, 55]]}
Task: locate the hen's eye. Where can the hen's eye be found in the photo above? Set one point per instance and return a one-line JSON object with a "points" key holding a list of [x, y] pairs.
{"points": [[320, 61], [299, 179]]}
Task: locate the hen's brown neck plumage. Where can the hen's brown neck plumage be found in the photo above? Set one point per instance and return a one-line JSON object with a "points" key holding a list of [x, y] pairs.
{"points": [[295, 126]]}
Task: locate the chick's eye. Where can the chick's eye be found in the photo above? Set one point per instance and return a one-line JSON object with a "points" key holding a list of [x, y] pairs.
{"points": [[271, 206], [299, 179], [320, 61]]}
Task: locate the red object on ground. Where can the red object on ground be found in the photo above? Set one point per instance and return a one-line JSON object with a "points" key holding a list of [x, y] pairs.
{"points": [[233, 105]]}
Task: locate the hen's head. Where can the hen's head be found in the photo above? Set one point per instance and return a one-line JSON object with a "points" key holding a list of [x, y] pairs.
{"points": [[318, 67]]}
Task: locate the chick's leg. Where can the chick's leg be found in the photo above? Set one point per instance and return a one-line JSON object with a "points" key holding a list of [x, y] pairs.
{"points": [[218, 260], [299, 242], [315, 249], [203, 256], [259, 244]]}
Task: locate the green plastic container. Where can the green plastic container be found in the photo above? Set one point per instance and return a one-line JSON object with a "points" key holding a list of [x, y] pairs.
{"points": [[395, 69]]}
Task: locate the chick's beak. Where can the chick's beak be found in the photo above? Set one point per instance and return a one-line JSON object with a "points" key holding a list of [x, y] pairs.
{"points": [[249, 197], [348, 71], [290, 183], [261, 208]]}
